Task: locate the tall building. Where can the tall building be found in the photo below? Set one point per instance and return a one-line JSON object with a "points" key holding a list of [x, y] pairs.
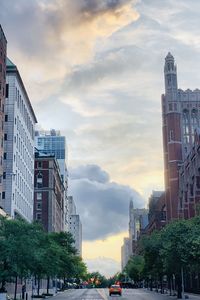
{"points": [[48, 193], [180, 111], [51, 142], [138, 220], [18, 157], [75, 226], [3, 50], [125, 253]]}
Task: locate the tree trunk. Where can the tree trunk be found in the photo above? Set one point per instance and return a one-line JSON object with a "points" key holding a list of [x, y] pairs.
{"points": [[15, 295], [3, 286], [151, 285], [38, 287], [48, 279], [179, 287]]}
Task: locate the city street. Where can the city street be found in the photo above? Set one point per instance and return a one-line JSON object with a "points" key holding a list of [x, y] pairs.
{"points": [[102, 294]]}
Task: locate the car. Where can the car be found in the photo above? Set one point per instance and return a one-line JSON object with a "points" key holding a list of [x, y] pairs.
{"points": [[115, 289]]}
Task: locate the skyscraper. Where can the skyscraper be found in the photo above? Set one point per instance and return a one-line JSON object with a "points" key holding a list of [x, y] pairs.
{"points": [[180, 111], [3, 50]]}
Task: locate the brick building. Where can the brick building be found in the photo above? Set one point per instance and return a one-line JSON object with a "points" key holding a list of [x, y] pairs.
{"points": [[3, 49], [48, 193], [181, 115]]}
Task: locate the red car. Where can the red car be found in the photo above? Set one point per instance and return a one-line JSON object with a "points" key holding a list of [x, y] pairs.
{"points": [[115, 289]]}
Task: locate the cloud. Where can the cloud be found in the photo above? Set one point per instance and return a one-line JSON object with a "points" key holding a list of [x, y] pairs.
{"points": [[91, 172], [106, 266], [54, 36], [100, 202]]}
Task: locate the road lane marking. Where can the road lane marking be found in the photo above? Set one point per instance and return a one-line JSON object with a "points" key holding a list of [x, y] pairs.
{"points": [[101, 294]]}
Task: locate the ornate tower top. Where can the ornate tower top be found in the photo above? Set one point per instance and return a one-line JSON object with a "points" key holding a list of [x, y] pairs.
{"points": [[170, 72]]}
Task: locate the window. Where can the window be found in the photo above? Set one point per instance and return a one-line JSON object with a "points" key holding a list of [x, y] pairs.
{"points": [[39, 180], [7, 90], [39, 164], [6, 118], [170, 107], [38, 216], [5, 155], [3, 195], [171, 135], [186, 126], [39, 206], [39, 196], [5, 136], [4, 175]]}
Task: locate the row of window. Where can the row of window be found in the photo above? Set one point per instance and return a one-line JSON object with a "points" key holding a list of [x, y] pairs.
{"points": [[23, 135], [24, 113], [24, 169]]}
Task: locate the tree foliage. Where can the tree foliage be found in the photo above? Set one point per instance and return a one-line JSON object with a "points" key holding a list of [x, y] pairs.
{"points": [[27, 250]]}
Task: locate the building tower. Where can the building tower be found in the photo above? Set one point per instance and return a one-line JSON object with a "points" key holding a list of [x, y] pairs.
{"points": [[3, 50], [171, 136], [181, 116]]}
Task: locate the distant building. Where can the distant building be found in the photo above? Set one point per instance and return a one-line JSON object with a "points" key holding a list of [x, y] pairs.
{"points": [[3, 51], [18, 163], [138, 220], [75, 226], [53, 143], [157, 211], [181, 116], [125, 252], [49, 193]]}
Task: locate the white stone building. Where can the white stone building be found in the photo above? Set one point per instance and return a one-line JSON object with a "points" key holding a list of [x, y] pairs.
{"points": [[18, 163]]}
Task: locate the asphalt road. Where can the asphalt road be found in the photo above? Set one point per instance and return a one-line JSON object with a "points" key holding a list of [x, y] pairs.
{"points": [[102, 294]]}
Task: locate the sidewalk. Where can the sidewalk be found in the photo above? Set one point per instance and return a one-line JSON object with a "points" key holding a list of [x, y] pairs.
{"points": [[191, 296]]}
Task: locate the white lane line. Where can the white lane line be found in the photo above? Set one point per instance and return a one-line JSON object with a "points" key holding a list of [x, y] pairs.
{"points": [[101, 294]]}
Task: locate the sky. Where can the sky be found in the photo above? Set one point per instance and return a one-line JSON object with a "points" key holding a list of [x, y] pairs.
{"points": [[94, 70]]}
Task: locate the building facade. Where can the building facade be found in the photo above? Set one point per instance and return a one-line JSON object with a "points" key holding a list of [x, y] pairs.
{"points": [[181, 115], [3, 53], [75, 226], [157, 212], [48, 193], [51, 142], [18, 157], [189, 181], [138, 220], [125, 253]]}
